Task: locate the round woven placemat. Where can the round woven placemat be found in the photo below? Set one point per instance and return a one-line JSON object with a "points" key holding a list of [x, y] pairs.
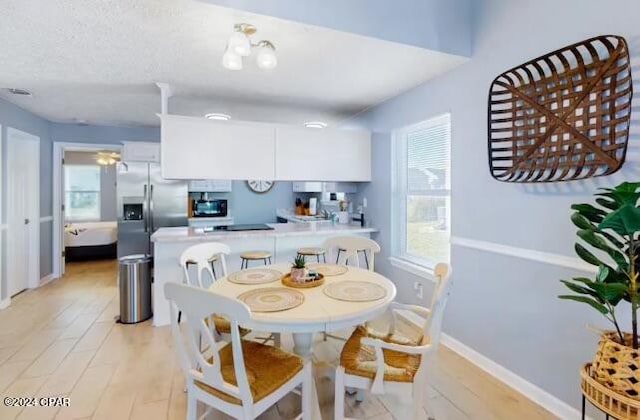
{"points": [[328, 269], [355, 291], [254, 276], [272, 299]]}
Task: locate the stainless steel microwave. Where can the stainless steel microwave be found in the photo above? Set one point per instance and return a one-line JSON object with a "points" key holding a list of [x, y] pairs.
{"points": [[209, 208]]}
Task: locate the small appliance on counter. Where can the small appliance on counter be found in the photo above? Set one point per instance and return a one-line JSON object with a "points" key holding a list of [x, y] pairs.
{"points": [[313, 206], [204, 207]]}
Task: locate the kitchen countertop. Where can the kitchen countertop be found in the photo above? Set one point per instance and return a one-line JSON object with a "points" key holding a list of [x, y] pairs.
{"points": [[294, 218], [191, 234]]}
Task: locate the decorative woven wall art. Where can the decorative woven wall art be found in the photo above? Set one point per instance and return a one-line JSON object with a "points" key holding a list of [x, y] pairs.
{"points": [[562, 116]]}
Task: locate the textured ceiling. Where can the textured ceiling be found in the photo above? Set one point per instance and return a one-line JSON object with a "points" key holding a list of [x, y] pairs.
{"points": [[97, 61]]}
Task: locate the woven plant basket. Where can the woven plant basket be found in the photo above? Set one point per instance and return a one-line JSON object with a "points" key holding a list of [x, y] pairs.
{"points": [[610, 402], [617, 366]]}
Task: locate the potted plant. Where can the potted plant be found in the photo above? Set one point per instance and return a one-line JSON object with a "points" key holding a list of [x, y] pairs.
{"points": [[611, 228], [299, 270]]}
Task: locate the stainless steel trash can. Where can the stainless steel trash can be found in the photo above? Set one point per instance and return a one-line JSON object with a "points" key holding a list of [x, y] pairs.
{"points": [[134, 282]]}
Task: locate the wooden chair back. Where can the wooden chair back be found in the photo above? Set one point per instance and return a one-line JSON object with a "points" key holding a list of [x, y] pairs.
{"points": [[350, 246], [204, 365], [200, 255]]}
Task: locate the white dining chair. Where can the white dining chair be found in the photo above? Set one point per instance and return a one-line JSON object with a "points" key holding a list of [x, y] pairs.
{"points": [[203, 257], [372, 360], [345, 249], [238, 377]]}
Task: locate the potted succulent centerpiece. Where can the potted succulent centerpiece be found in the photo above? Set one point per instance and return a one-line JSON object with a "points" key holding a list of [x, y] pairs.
{"points": [[299, 271], [611, 229]]}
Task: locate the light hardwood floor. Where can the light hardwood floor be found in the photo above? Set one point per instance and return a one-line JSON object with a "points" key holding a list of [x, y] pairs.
{"points": [[61, 340]]}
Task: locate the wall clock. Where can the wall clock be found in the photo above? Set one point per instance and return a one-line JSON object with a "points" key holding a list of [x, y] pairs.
{"points": [[260, 187]]}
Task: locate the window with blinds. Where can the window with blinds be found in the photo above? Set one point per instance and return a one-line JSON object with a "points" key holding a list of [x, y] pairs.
{"points": [[423, 191], [82, 193]]}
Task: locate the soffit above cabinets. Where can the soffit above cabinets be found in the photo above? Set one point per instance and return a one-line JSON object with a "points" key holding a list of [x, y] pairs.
{"points": [[197, 148], [440, 25]]}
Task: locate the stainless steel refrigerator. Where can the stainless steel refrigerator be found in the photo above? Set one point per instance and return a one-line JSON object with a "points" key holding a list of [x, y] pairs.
{"points": [[147, 202]]}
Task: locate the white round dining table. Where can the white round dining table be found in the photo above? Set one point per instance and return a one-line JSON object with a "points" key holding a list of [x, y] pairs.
{"points": [[318, 312]]}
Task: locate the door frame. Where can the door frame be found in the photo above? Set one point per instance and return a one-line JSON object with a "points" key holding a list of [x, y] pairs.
{"points": [[4, 302], [59, 148], [33, 279]]}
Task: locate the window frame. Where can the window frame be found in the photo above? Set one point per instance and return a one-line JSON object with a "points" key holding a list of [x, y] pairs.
{"points": [[399, 195], [68, 191]]}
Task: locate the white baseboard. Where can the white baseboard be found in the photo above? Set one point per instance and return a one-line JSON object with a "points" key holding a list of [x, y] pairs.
{"points": [[533, 392], [4, 303], [46, 279]]}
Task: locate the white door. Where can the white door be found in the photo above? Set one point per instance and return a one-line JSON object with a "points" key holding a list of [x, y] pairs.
{"points": [[23, 211]]}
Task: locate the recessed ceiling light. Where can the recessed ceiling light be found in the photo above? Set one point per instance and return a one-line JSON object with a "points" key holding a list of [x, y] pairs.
{"points": [[20, 92], [217, 116], [315, 124]]}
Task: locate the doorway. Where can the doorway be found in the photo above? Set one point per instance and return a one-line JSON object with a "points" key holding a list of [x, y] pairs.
{"points": [[23, 211], [84, 237]]}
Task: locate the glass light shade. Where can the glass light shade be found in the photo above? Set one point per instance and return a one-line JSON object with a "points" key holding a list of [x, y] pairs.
{"points": [[266, 58], [239, 44], [231, 60]]}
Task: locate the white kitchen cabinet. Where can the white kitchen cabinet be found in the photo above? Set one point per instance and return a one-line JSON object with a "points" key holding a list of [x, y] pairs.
{"points": [[307, 186], [336, 187], [322, 154], [138, 151], [197, 148], [210, 185]]}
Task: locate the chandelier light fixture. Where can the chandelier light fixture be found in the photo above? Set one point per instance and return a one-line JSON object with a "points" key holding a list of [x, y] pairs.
{"points": [[240, 45]]}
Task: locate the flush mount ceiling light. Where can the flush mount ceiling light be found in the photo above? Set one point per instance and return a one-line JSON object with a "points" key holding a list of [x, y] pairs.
{"points": [[19, 92], [239, 46], [315, 124], [217, 116]]}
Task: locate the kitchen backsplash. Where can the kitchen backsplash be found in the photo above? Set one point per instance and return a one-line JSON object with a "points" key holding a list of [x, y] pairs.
{"points": [[246, 206]]}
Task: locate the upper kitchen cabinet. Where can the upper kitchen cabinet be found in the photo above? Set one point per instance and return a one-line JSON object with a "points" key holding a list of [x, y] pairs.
{"points": [[322, 154], [210, 185], [197, 148], [139, 151]]}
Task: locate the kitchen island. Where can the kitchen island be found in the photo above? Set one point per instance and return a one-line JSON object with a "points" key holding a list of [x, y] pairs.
{"points": [[282, 241]]}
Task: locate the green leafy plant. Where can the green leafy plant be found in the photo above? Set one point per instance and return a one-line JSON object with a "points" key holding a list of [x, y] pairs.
{"points": [[611, 228], [299, 262]]}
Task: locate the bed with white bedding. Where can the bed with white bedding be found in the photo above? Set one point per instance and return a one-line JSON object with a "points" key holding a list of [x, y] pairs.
{"points": [[91, 240]]}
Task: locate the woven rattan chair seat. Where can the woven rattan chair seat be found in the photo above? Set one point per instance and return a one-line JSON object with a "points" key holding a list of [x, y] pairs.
{"points": [[268, 368], [360, 360]]}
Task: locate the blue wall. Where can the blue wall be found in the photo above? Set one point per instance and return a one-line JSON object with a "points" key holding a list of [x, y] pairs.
{"points": [[12, 116], [16, 117], [246, 206], [533, 333]]}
